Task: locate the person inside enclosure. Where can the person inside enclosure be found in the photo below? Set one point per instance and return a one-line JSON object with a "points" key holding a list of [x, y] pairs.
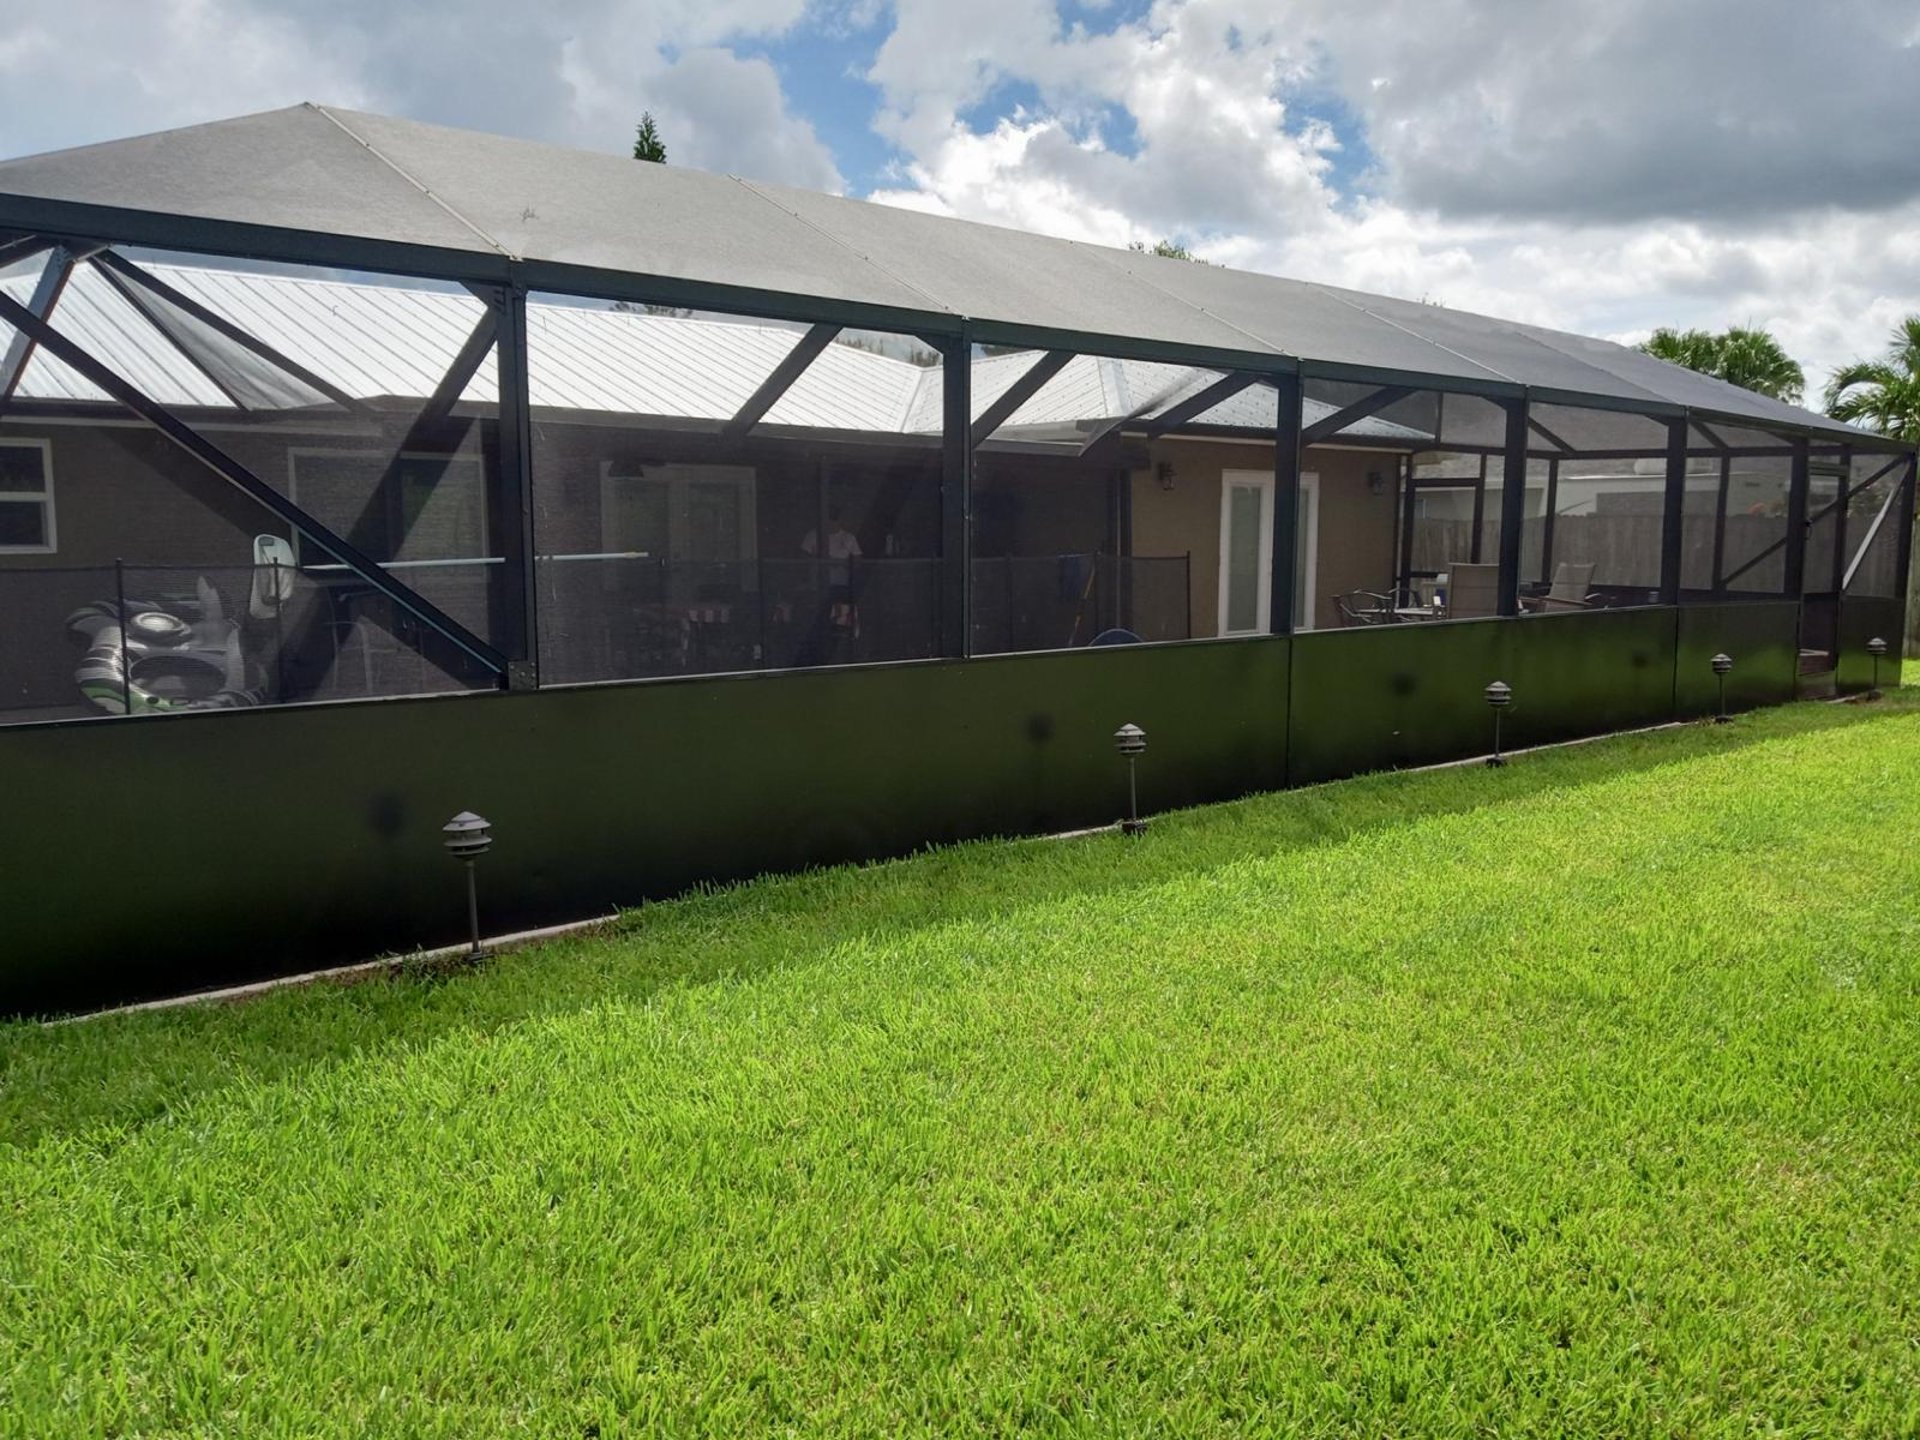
{"points": [[841, 620]]}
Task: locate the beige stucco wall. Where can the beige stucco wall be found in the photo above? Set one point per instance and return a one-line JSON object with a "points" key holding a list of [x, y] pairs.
{"points": [[1356, 527]]}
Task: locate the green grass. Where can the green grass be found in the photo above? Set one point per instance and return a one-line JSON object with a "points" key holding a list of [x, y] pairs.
{"points": [[1579, 1098]]}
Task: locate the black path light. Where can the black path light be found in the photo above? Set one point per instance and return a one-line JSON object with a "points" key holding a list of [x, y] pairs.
{"points": [[468, 838], [1722, 663], [1877, 648], [1131, 741], [1499, 695]]}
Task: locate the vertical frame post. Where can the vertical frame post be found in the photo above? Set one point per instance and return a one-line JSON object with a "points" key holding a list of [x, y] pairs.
{"points": [[521, 597], [1796, 549], [1513, 506], [1720, 522], [1117, 605], [1404, 468], [1673, 512], [1479, 522], [956, 497], [1841, 501], [1903, 511], [1552, 508], [1288, 391]]}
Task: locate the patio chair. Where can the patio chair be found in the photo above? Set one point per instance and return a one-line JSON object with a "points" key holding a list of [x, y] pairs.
{"points": [[1365, 607], [1473, 591], [1569, 591]]}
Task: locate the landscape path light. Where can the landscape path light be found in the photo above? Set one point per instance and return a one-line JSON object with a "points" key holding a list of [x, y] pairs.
{"points": [[468, 838], [1877, 648], [1131, 741], [1499, 695], [1721, 663]]}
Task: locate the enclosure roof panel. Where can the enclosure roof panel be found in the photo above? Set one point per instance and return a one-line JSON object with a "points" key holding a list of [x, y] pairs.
{"points": [[328, 185], [610, 213], [988, 272], [296, 169]]}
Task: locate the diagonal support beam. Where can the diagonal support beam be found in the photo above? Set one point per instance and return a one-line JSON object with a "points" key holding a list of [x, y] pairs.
{"points": [[428, 432], [1140, 412], [791, 367], [249, 484], [126, 269], [1018, 393], [1359, 410], [1847, 492], [1873, 533], [46, 295], [1196, 405], [1812, 520], [22, 247], [473, 354], [1545, 434], [1735, 574], [141, 302]]}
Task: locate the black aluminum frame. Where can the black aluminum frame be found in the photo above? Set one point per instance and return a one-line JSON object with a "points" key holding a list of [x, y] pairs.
{"points": [[81, 232]]}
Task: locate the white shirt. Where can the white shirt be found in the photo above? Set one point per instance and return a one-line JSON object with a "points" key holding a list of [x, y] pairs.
{"points": [[842, 544]]}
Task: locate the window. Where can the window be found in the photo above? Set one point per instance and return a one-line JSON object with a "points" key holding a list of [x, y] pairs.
{"points": [[413, 510], [26, 496]]}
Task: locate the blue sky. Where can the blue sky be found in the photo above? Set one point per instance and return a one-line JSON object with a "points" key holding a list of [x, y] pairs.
{"points": [[822, 69]]}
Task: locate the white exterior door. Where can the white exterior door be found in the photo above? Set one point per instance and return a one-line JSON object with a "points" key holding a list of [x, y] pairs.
{"points": [[1246, 551]]}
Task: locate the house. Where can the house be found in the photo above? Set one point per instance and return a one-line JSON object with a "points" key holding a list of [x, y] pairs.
{"points": [[355, 472]]}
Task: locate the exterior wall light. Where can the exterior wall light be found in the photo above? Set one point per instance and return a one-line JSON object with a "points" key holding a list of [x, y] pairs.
{"points": [[1498, 695], [1131, 741], [468, 838], [1877, 648], [1721, 663]]}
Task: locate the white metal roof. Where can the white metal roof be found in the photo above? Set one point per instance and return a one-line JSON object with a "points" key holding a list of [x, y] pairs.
{"points": [[373, 341]]}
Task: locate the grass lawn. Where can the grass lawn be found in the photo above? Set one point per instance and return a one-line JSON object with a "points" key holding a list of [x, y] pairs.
{"points": [[1579, 1098]]}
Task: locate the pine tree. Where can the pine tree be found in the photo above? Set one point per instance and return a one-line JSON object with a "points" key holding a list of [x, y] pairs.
{"points": [[647, 144]]}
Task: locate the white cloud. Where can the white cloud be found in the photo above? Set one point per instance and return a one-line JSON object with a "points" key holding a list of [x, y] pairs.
{"points": [[1602, 170], [576, 72], [728, 114], [1632, 109]]}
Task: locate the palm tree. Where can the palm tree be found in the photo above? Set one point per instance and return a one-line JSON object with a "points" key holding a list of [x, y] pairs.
{"points": [[1882, 394], [1695, 349], [1753, 360], [1744, 355]]}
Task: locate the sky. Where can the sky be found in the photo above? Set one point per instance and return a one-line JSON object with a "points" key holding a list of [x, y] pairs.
{"points": [[1597, 167]]}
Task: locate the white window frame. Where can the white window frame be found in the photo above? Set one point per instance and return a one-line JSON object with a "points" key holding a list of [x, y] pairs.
{"points": [[43, 497], [297, 453]]}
